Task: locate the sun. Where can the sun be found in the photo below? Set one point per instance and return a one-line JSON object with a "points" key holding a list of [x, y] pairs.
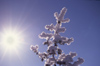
{"points": [[12, 42], [11, 38]]}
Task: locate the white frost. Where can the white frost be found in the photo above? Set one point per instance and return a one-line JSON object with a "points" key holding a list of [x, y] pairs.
{"points": [[60, 17]]}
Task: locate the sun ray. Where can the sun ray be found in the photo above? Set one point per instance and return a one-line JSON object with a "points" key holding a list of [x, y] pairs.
{"points": [[4, 54], [10, 38], [19, 57], [11, 42]]}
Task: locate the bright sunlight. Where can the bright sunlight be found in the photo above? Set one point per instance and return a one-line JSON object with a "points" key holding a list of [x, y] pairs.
{"points": [[11, 39]]}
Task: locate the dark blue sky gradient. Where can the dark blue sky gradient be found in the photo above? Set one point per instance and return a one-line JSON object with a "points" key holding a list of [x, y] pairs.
{"points": [[33, 15]]}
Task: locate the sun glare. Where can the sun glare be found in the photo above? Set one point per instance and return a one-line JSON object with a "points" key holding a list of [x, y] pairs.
{"points": [[11, 42], [11, 39]]}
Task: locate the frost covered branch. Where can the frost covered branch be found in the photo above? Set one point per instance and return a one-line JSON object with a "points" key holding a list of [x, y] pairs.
{"points": [[52, 41]]}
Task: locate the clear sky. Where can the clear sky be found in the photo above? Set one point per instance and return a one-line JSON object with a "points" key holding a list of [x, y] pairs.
{"points": [[29, 17]]}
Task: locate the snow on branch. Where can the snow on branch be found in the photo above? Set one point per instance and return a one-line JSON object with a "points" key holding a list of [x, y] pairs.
{"points": [[78, 62], [50, 27], [48, 43], [52, 41], [60, 17], [34, 48], [52, 50], [50, 61], [60, 30], [43, 55], [44, 35], [68, 41], [66, 60], [62, 40]]}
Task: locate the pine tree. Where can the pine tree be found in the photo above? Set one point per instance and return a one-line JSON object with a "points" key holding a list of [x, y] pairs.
{"points": [[52, 41]]}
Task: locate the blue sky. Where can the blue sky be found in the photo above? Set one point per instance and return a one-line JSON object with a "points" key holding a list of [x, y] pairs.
{"points": [[30, 17]]}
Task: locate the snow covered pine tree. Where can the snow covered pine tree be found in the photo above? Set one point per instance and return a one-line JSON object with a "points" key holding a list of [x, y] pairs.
{"points": [[52, 41]]}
